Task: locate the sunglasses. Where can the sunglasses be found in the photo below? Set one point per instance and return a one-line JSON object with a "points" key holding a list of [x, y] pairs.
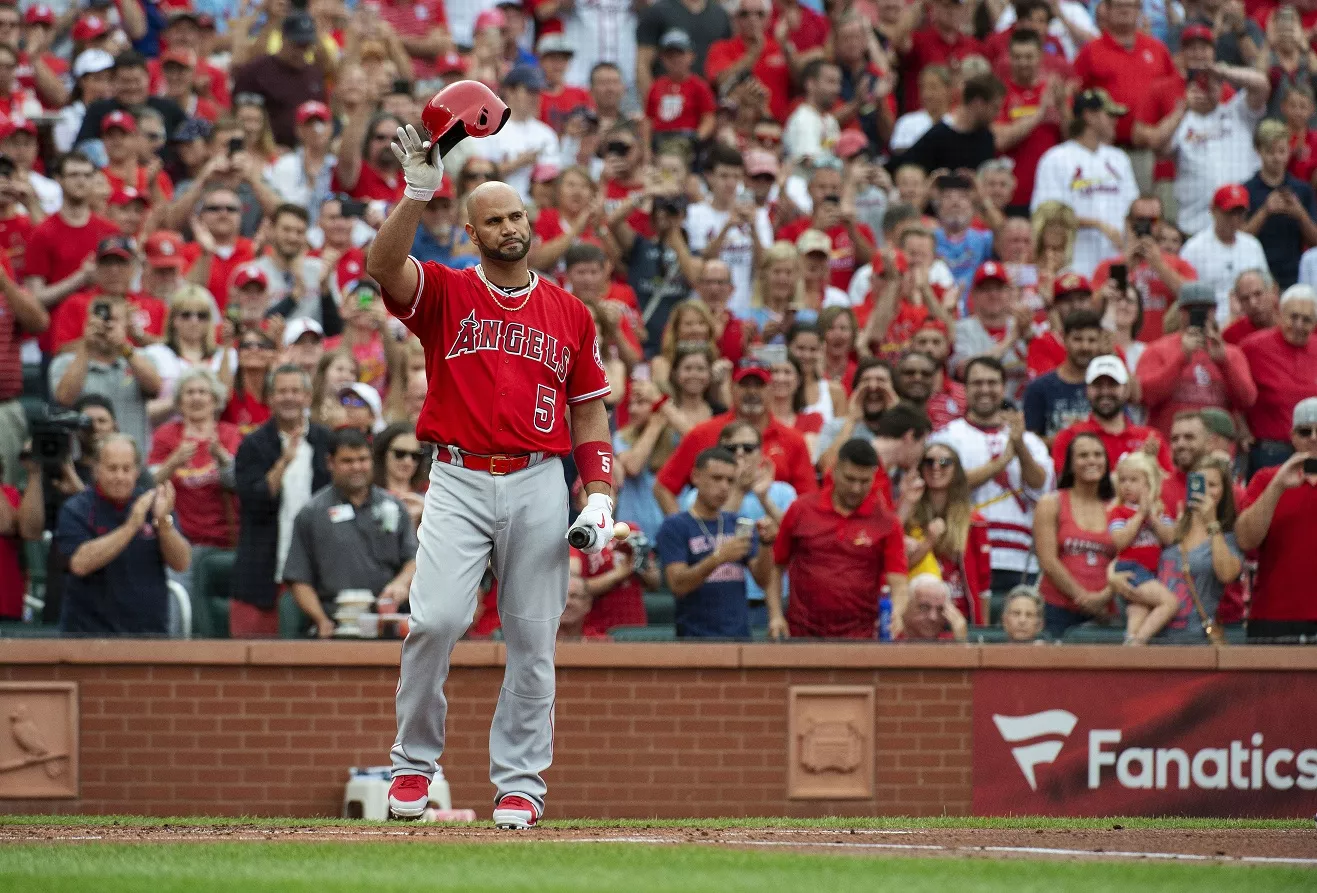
{"points": [[478, 175], [255, 99], [202, 315], [400, 455], [916, 373], [222, 209], [353, 401], [937, 462], [738, 448], [255, 345], [620, 147], [1306, 431], [752, 13], [768, 139]]}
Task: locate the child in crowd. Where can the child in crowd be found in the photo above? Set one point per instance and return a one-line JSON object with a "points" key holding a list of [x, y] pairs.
{"points": [[1139, 529]]}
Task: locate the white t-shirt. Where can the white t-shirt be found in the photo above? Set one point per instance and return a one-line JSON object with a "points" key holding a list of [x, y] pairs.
{"points": [[1098, 185], [1218, 264], [515, 138], [171, 366], [809, 133], [601, 31], [703, 224], [910, 127], [49, 194], [1075, 13], [939, 275], [1211, 151]]}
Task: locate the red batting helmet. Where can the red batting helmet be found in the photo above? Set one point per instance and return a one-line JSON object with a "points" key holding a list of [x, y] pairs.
{"points": [[462, 109]]}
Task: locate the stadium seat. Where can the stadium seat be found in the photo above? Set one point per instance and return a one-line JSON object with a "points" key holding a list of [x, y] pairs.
{"points": [[986, 635], [293, 621], [211, 583], [1236, 634], [643, 633], [1092, 634], [660, 608], [180, 611], [17, 630]]}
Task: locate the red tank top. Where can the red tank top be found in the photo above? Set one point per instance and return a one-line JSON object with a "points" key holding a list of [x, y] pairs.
{"points": [[1084, 553]]}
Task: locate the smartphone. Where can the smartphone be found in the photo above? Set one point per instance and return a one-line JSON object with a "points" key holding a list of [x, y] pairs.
{"points": [[365, 299], [1310, 465], [1008, 406], [744, 527], [1197, 317], [1120, 274], [1142, 227], [351, 207], [1196, 485], [235, 145], [101, 310]]}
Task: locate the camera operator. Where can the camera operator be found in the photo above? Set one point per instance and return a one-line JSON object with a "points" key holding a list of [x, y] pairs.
{"points": [[106, 363], [118, 540]]}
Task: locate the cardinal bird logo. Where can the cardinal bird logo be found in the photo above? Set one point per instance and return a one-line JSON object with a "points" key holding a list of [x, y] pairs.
{"points": [[33, 744]]}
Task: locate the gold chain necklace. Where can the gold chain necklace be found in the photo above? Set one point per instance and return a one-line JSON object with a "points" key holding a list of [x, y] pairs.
{"points": [[494, 293]]}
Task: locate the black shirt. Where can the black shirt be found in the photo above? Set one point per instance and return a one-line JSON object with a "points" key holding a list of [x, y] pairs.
{"points": [[91, 123], [285, 85], [1281, 238], [945, 147], [703, 27]]}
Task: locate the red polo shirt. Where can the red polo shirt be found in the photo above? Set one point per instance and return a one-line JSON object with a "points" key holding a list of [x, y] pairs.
{"points": [[1237, 331], [69, 320], [785, 447], [1021, 102], [1287, 562], [1284, 375], [841, 262], [771, 70], [1124, 73], [1128, 441], [679, 105], [838, 564]]}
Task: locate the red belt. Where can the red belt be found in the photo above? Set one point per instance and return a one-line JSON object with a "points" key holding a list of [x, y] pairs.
{"points": [[495, 465]]}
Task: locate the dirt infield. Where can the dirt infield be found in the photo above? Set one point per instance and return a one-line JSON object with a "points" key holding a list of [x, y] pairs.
{"points": [[1252, 846]]}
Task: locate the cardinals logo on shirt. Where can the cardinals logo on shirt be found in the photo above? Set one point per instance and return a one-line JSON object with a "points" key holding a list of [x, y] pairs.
{"points": [[863, 540], [1091, 185], [515, 339]]}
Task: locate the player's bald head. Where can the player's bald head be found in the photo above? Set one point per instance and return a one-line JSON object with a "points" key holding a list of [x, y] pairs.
{"points": [[492, 195]]}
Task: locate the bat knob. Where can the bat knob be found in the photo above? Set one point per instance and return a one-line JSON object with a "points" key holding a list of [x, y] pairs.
{"points": [[621, 530]]}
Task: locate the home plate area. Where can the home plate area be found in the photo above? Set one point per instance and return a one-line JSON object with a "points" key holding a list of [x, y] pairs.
{"points": [[1282, 847]]}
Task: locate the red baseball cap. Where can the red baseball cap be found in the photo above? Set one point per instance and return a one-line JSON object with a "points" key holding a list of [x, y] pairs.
{"points": [[1069, 282], [164, 249], [41, 14], [1230, 197], [445, 189], [89, 28], [179, 56], [119, 120], [450, 63], [544, 172], [1197, 31], [248, 274], [752, 368], [850, 144], [932, 322], [16, 124], [311, 110], [126, 194], [990, 270]]}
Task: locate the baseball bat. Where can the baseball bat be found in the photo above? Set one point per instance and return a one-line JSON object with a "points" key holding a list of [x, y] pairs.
{"points": [[584, 537]]}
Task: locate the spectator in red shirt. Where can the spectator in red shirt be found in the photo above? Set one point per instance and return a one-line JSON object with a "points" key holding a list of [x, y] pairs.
{"points": [[783, 446], [943, 42], [57, 262], [116, 268], [1282, 361], [1194, 368], [1125, 62], [1297, 108], [680, 103], [615, 583], [120, 138], [1107, 389], [1280, 521], [179, 83], [751, 51], [218, 249], [1259, 303], [421, 25], [853, 243], [16, 227], [1157, 274], [559, 100], [367, 168], [839, 546], [38, 68], [247, 407], [576, 217], [184, 33], [1030, 120]]}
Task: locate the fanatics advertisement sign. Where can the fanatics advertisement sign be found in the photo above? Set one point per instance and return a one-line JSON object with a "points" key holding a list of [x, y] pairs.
{"points": [[1099, 743]]}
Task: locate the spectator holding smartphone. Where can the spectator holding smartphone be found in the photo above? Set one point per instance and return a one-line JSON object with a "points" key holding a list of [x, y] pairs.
{"points": [[1280, 521], [1281, 206]]}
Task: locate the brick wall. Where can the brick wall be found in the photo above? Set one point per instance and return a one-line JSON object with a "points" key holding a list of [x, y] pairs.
{"points": [[232, 728]]}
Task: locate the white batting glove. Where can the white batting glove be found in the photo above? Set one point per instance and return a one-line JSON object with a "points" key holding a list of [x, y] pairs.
{"points": [[422, 176], [597, 518]]}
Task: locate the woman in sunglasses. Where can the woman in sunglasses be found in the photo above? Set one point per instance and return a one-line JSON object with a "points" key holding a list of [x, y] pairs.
{"points": [[247, 407], [942, 521], [402, 466], [189, 343]]}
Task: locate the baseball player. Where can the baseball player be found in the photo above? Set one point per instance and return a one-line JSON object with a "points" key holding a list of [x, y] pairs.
{"points": [[516, 382]]}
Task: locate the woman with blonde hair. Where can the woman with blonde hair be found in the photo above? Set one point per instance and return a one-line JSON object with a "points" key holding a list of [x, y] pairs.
{"points": [[576, 216], [839, 332], [940, 519], [409, 363], [336, 370], [254, 119], [777, 296], [189, 343], [1054, 229], [689, 386], [690, 321]]}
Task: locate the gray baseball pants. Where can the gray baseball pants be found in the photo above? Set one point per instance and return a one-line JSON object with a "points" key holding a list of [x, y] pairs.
{"points": [[518, 521]]}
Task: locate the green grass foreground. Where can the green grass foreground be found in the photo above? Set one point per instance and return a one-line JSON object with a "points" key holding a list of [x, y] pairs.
{"points": [[578, 868], [881, 822]]}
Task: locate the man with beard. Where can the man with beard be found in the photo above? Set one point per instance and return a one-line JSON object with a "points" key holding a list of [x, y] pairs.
{"points": [[366, 168], [948, 401], [516, 383], [1107, 389], [915, 374], [1054, 400], [1008, 470], [783, 446], [871, 395]]}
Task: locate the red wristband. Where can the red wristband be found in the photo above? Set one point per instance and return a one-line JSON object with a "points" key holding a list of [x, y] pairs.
{"points": [[594, 462]]}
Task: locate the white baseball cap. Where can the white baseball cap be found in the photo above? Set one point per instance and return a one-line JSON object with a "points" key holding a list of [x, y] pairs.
{"points": [[1109, 366], [92, 61], [296, 328]]}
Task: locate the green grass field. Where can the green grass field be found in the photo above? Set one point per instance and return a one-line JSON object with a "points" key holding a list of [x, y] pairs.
{"points": [[541, 866]]}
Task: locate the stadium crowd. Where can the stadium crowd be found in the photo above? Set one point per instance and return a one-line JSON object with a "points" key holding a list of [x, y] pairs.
{"points": [[921, 317]]}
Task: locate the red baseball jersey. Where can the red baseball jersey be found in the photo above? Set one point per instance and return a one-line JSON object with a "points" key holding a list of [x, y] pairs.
{"points": [[500, 380]]}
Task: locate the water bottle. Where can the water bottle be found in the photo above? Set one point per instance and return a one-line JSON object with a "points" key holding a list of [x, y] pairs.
{"points": [[885, 618]]}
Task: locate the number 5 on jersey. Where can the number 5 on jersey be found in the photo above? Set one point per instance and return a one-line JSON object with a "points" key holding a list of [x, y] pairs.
{"points": [[546, 404]]}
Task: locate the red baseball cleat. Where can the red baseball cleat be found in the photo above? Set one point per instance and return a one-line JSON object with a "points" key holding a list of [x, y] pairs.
{"points": [[515, 812], [408, 796]]}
